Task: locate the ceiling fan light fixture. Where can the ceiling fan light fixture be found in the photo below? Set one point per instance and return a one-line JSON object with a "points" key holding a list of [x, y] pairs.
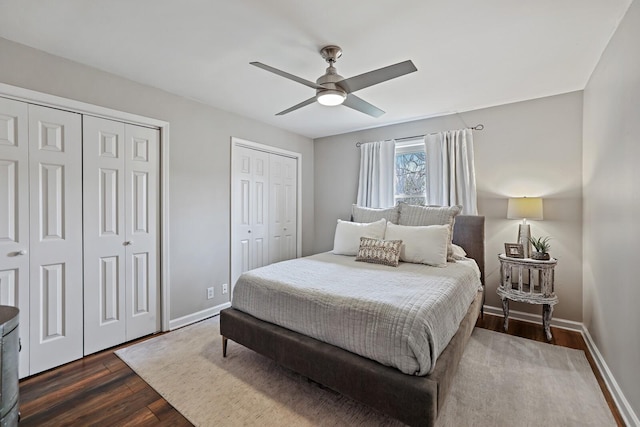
{"points": [[332, 89], [331, 97]]}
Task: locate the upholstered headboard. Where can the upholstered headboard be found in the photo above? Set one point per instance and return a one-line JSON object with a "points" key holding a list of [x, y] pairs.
{"points": [[468, 232]]}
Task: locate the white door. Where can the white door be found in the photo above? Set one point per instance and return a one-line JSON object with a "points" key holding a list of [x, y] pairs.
{"points": [[249, 210], [14, 217], [104, 234], [283, 192], [55, 192], [141, 230], [121, 173]]}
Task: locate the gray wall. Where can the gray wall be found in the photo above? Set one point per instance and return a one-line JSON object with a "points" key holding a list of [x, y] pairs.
{"points": [[531, 148], [199, 163], [611, 176]]}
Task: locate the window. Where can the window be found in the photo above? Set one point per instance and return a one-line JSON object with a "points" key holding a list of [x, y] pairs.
{"points": [[410, 172]]}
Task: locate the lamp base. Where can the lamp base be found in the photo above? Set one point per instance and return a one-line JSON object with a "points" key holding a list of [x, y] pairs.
{"points": [[524, 232]]}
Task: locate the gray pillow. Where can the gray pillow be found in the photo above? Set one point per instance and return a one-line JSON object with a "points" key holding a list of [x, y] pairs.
{"points": [[430, 215], [366, 215]]}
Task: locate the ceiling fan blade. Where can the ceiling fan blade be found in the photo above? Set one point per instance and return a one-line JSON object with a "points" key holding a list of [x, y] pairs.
{"points": [[295, 107], [380, 75], [287, 75], [361, 105]]}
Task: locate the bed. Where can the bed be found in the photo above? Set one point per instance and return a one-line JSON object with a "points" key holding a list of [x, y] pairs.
{"points": [[413, 399]]}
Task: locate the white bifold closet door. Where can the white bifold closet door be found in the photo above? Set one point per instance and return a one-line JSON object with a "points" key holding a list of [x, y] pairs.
{"points": [[264, 208], [283, 196], [250, 210], [55, 181], [14, 216], [40, 236], [121, 181]]}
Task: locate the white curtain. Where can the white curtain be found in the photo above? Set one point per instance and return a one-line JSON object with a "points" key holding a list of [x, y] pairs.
{"points": [[375, 186], [451, 178]]}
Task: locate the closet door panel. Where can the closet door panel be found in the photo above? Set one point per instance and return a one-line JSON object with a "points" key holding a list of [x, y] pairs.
{"points": [[55, 193], [276, 208], [141, 234], [282, 208], [250, 211], [290, 216], [14, 216], [104, 234], [259, 210]]}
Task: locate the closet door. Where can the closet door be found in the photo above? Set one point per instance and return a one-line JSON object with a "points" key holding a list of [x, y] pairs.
{"points": [[141, 230], [283, 195], [14, 217], [55, 191], [104, 234], [250, 209], [121, 181]]}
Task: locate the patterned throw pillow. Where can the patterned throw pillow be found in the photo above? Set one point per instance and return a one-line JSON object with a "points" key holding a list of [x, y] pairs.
{"points": [[379, 251]]}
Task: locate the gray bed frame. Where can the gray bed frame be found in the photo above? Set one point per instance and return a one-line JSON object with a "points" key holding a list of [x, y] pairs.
{"points": [[411, 399]]}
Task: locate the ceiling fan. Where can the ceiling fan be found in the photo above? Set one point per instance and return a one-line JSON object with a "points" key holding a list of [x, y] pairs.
{"points": [[333, 89]]}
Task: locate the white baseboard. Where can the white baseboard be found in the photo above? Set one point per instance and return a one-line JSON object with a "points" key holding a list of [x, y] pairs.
{"points": [[626, 411], [196, 317], [535, 318]]}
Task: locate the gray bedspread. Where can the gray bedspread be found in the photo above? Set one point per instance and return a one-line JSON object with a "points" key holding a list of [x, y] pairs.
{"points": [[401, 317]]}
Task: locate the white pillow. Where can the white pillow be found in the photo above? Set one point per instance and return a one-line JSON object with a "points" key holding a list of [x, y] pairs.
{"points": [[430, 215], [421, 244], [347, 238], [458, 252]]}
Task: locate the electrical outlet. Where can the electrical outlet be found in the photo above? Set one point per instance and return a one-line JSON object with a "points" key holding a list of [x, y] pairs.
{"points": [[225, 288], [209, 293]]}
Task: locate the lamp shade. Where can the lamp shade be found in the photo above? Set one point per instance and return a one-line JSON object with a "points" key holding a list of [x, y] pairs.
{"points": [[525, 208]]}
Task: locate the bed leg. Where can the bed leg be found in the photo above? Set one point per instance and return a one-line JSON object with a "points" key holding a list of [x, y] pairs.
{"points": [[224, 346]]}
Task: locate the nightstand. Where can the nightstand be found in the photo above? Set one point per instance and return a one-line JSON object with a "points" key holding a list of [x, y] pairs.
{"points": [[530, 281]]}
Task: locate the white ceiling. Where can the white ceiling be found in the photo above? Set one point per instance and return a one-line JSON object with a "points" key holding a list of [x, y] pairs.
{"points": [[469, 53]]}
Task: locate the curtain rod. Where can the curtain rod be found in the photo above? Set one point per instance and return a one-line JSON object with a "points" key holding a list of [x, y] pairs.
{"points": [[476, 127]]}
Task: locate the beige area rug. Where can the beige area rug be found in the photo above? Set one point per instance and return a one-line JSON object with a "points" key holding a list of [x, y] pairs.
{"points": [[502, 381]]}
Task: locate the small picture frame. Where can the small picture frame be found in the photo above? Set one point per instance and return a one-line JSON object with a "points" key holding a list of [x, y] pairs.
{"points": [[514, 250]]}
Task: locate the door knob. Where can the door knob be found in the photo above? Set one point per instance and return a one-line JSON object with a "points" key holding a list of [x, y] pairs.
{"points": [[20, 252], [249, 231], [128, 243]]}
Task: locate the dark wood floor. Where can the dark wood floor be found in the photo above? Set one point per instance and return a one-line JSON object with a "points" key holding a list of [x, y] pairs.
{"points": [[100, 390]]}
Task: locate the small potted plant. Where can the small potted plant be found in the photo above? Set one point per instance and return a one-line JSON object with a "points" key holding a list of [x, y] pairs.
{"points": [[542, 246]]}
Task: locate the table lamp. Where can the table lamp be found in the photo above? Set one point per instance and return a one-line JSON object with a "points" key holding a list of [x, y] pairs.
{"points": [[525, 208]]}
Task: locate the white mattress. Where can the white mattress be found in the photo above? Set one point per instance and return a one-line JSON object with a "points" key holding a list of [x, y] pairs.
{"points": [[401, 317]]}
